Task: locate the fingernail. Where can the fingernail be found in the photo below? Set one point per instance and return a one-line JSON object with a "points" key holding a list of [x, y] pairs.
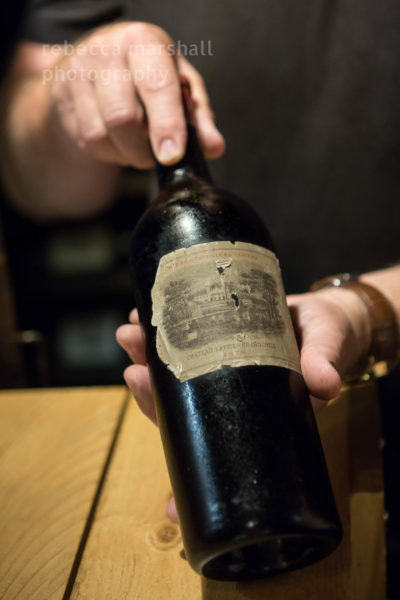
{"points": [[168, 152]]}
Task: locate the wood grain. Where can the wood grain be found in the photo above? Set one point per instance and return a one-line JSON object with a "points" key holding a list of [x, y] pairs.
{"points": [[53, 444], [366, 499], [134, 552]]}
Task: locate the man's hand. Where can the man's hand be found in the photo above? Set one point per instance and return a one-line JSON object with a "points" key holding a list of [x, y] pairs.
{"points": [[112, 99], [117, 74]]}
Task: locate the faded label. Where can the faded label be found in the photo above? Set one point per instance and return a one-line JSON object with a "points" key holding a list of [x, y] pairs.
{"points": [[221, 304]]}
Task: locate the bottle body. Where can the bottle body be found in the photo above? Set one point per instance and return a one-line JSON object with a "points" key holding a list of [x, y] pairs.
{"points": [[241, 443]]}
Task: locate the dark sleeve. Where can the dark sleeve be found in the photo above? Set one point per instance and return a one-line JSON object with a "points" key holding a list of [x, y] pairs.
{"points": [[56, 21], [11, 17]]}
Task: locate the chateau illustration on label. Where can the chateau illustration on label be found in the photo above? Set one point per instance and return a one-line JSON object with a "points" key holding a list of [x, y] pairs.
{"points": [[198, 311]]}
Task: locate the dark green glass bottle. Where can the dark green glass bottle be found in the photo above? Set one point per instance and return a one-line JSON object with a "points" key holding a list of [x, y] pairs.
{"points": [[240, 439]]}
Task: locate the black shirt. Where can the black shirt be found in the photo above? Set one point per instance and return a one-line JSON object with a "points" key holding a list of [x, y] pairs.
{"points": [[11, 15], [307, 94], [56, 21]]}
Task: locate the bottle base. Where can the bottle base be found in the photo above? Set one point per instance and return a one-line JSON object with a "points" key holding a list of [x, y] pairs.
{"points": [[266, 558]]}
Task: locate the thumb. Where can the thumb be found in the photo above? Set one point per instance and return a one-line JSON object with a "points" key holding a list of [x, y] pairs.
{"points": [[318, 360], [334, 329], [320, 375]]}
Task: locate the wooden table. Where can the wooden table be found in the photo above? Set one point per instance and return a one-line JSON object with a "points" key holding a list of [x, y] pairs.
{"points": [[83, 488]]}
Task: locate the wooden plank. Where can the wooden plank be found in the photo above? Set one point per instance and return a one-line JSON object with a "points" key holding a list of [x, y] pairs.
{"points": [[367, 498], [135, 552], [53, 445]]}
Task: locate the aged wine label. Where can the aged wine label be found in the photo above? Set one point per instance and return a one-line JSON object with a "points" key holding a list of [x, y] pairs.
{"points": [[218, 304]]}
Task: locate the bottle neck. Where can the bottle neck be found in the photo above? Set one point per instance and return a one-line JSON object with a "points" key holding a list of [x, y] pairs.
{"points": [[193, 163]]}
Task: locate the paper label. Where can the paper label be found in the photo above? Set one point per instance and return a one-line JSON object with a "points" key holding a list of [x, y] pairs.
{"points": [[218, 304]]}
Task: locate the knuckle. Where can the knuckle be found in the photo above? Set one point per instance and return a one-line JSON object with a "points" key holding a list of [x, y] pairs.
{"points": [[160, 34], [58, 93], [138, 32], [97, 39], [73, 63], [142, 31], [61, 101], [137, 28], [157, 82], [93, 135], [117, 116]]}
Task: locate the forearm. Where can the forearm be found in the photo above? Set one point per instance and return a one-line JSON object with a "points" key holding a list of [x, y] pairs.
{"points": [[45, 174]]}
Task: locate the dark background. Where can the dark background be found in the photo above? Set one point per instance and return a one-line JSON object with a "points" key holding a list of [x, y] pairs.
{"points": [[306, 93], [72, 289]]}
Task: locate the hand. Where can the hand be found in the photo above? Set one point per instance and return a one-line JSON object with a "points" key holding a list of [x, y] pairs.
{"points": [[333, 330], [118, 73]]}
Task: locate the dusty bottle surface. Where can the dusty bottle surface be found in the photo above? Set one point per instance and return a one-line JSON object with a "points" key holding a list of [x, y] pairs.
{"points": [[239, 435]]}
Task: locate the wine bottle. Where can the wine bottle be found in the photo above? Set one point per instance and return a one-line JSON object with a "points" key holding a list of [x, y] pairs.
{"points": [[240, 439]]}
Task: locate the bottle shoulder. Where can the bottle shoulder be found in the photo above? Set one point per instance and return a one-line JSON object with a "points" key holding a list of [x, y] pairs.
{"points": [[196, 212], [196, 193]]}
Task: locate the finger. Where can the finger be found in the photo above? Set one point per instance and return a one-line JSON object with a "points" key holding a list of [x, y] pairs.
{"points": [[93, 135], [122, 114], [210, 138], [134, 316], [137, 378], [131, 338], [156, 79], [171, 511], [64, 104]]}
